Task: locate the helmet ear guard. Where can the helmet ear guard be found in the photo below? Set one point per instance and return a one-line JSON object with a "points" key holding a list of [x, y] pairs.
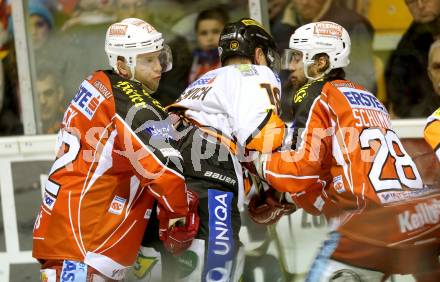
{"points": [[132, 37], [241, 38]]}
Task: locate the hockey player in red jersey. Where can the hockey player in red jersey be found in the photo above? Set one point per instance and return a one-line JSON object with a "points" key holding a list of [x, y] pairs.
{"points": [[350, 165], [115, 159]]}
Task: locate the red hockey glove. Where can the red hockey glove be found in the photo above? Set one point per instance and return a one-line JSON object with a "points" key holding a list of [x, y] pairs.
{"points": [[266, 209], [177, 234]]}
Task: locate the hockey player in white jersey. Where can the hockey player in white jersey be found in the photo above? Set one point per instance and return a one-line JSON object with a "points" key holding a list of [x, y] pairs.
{"points": [[226, 112]]}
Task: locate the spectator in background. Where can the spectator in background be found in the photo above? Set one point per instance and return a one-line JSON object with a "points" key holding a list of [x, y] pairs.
{"points": [[300, 12], [434, 66], [90, 12], [130, 8], [80, 40], [409, 89], [10, 123], [40, 22], [208, 26], [50, 94], [278, 28]]}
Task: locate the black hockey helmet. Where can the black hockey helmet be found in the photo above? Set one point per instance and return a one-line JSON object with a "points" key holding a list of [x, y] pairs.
{"points": [[241, 38]]}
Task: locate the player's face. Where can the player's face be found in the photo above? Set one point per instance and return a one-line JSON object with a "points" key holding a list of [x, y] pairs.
{"points": [[296, 67], [148, 70], [434, 69], [424, 11], [309, 9], [49, 97], [208, 33]]}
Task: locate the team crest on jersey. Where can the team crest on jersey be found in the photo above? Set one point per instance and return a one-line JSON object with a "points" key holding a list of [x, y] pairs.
{"points": [[87, 99], [117, 205]]}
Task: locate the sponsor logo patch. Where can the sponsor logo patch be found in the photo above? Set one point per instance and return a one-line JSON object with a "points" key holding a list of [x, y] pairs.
{"points": [[143, 266], [48, 201], [319, 203], [147, 214], [220, 177], [328, 29], [338, 183], [427, 213], [117, 205], [221, 243], [362, 99], [204, 80], [73, 271], [118, 30], [102, 88], [87, 99]]}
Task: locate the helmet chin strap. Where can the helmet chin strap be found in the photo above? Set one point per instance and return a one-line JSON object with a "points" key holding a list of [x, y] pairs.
{"points": [[132, 73]]}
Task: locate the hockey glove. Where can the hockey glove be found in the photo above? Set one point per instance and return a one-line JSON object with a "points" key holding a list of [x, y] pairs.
{"points": [[265, 208], [177, 234]]}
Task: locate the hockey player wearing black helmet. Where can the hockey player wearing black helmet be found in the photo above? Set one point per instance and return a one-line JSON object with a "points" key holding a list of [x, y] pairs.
{"points": [[226, 111], [249, 40]]}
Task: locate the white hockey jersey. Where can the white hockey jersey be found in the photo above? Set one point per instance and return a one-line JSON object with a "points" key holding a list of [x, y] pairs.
{"points": [[240, 102]]}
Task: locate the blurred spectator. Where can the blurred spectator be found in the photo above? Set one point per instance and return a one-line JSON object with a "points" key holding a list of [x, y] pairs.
{"points": [[361, 70], [81, 39], [90, 12], [408, 86], [10, 123], [50, 95], [278, 28], [434, 66], [131, 9], [208, 26], [40, 22]]}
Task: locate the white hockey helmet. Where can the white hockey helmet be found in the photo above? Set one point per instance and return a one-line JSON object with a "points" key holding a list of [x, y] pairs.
{"points": [[319, 37], [132, 37]]}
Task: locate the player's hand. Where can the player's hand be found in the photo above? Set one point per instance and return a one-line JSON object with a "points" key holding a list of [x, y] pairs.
{"points": [[267, 208], [177, 234]]}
